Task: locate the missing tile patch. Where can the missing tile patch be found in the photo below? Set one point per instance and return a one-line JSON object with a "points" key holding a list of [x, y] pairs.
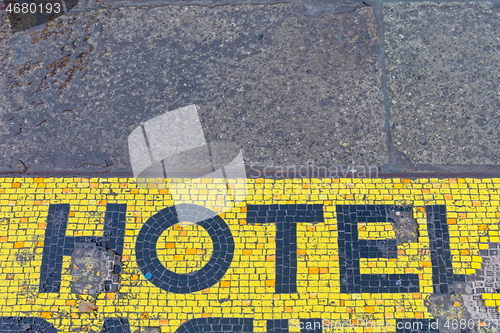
{"points": [[405, 226], [94, 270]]}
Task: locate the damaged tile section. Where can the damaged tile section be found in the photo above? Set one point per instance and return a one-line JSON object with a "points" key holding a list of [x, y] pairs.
{"points": [[405, 226], [482, 298], [94, 270]]}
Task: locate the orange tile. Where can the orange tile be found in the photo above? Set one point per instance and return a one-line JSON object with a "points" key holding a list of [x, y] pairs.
{"points": [[46, 315], [190, 251], [18, 245], [313, 270], [225, 284], [270, 283]]}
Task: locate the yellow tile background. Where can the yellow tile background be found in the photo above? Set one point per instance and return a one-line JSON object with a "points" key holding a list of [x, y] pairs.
{"points": [[472, 211]]}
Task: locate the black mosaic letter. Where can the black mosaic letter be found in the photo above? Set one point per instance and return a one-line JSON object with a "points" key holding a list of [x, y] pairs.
{"points": [[282, 325], [116, 325], [439, 243], [351, 249], [25, 324], [210, 274], [286, 218], [57, 244], [217, 325], [39, 325], [277, 326]]}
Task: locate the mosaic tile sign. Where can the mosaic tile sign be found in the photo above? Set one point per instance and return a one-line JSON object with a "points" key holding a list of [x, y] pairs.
{"points": [[294, 255]]}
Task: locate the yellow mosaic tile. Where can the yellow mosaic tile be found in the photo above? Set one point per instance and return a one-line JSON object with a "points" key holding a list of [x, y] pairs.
{"points": [[247, 289]]}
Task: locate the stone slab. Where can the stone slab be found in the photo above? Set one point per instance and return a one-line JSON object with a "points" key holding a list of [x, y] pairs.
{"points": [[286, 87], [443, 63]]}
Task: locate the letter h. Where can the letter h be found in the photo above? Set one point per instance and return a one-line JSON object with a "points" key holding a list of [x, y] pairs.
{"points": [[57, 244]]}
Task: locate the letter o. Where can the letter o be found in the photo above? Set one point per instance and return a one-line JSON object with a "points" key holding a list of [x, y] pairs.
{"points": [[208, 275]]}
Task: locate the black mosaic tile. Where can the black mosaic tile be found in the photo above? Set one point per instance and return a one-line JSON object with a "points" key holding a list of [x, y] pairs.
{"points": [[277, 326], [115, 325], [25, 325], [217, 325]]}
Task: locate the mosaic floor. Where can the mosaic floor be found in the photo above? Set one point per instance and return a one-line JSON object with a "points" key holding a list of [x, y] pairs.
{"points": [[295, 255]]}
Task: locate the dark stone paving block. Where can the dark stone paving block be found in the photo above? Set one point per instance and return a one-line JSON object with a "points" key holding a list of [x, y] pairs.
{"points": [[286, 87], [443, 63]]}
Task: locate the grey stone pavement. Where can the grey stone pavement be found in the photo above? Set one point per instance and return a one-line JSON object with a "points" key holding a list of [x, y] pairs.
{"points": [[408, 87]]}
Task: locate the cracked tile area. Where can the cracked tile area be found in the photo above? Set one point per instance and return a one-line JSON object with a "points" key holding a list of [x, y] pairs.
{"points": [[443, 63]]}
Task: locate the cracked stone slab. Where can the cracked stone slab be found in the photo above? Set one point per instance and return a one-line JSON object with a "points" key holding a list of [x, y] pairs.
{"points": [[443, 63], [288, 88], [94, 270]]}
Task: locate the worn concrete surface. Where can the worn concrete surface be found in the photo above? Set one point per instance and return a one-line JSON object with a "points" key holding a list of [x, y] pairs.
{"points": [[287, 87], [443, 69]]}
